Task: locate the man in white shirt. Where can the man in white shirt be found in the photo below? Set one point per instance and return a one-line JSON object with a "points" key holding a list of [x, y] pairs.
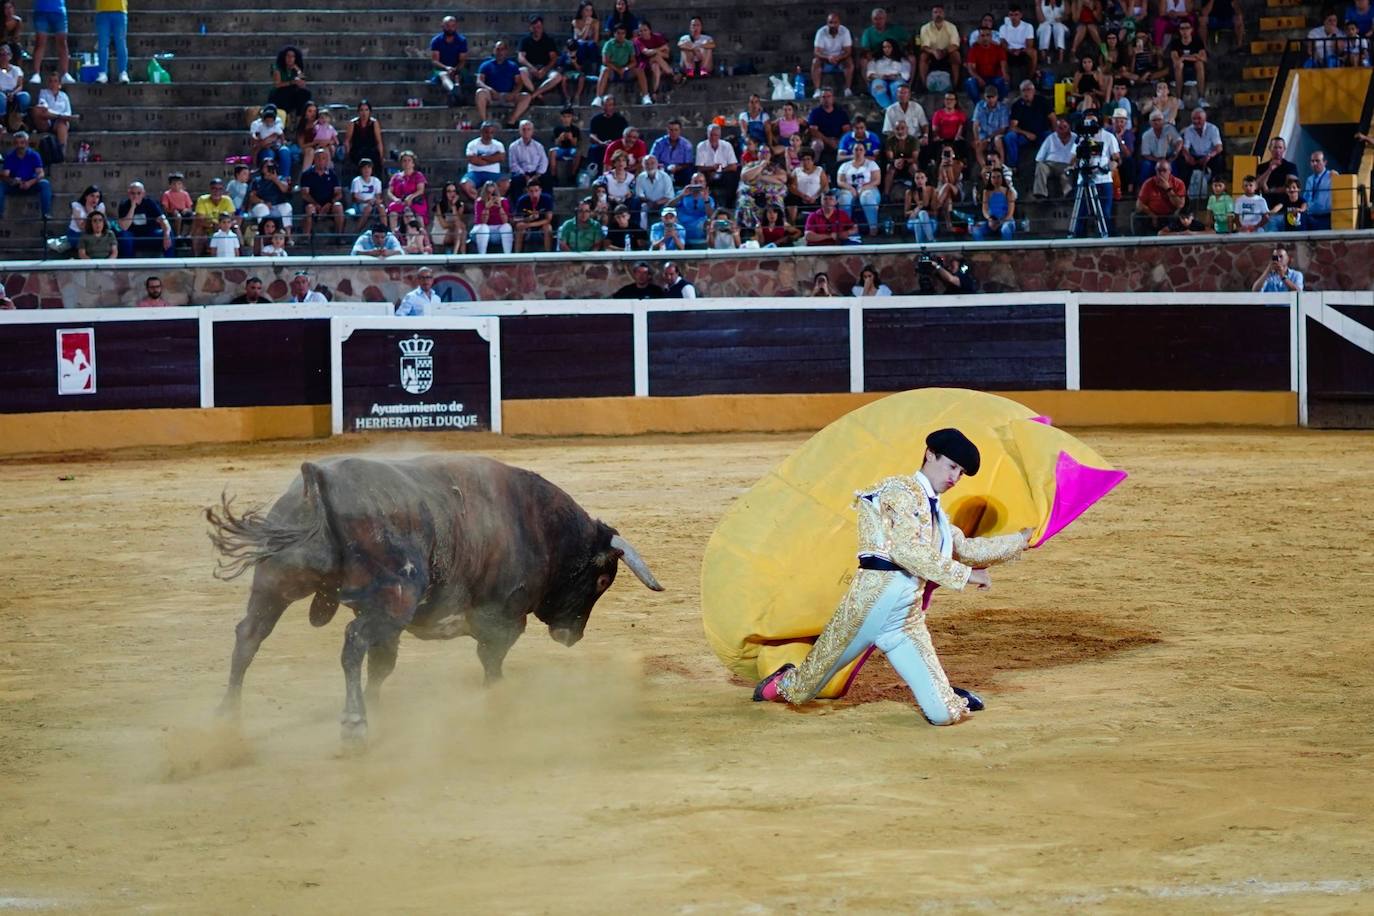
{"points": [[528, 161], [833, 52], [675, 285], [420, 301], [1052, 161], [377, 243], [486, 155], [909, 110], [654, 188], [301, 291], [1018, 36], [717, 160]]}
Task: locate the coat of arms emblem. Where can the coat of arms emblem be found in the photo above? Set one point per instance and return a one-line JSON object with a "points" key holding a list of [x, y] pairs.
{"points": [[417, 365]]}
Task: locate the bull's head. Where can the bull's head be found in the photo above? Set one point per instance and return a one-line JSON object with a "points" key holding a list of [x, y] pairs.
{"points": [[566, 613]]}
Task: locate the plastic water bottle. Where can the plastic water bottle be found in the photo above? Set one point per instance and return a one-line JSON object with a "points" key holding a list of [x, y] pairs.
{"points": [[627, 241], [799, 84], [203, 29]]}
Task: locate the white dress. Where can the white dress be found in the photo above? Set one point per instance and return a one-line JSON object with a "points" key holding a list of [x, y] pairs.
{"points": [[1052, 32]]}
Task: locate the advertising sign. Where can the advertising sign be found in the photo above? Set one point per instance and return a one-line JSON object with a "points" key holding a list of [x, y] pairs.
{"points": [[76, 361]]}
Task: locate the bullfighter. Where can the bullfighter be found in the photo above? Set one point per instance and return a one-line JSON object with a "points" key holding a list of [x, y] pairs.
{"points": [[907, 547]]}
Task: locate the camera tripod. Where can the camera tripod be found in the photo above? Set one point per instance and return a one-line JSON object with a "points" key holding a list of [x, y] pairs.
{"points": [[1085, 195]]}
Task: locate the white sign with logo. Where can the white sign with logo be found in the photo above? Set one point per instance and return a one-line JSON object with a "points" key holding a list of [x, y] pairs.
{"points": [[76, 361]]}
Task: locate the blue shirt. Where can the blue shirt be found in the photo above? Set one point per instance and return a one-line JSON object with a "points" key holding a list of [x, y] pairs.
{"points": [[365, 243], [449, 51], [1317, 191], [989, 119], [829, 123], [1274, 283], [656, 234], [870, 140], [683, 153], [499, 75], [1364, 21], [25, 168]]}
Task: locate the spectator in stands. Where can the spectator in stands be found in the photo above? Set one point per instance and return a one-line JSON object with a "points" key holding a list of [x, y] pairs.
{"points": [[586, 31], [492, 217], [449, 52], [225, 242], [53, 110], [1360, 12], [236, 189], [806, 184], [1028, 122], [949, 184], [1160, 200], [859, 182], [1355, 48], [642, 287], [143, 228], [581, 233], [1120, 127], [1185, 223], [653, 189], [1200, 154], [828, 123], [1120, 101], [1018, 37], [537, 55], [619, 182], [533, 218], [1161, 143], [832, 53], [321, 193], [270, 195], [289, 92], [97, 241], [696, 50], [378, 242], [858, 135], [830, 225], [50, 18], [365, 196], [421, 301], [1088, 85], [1163, 102], [16, 100], [573, 72], [324, 135], [754, 121], [1171, 14], [999, 208], [252, 294], [886, 72], [449, 220], [1251, 210], [301, 291], [528, 161], [1221, 208], [207, 211], [667, 234], [1219, 15], [1279, 276], [605, 127], [991, 120], [1051, 33], [987, 66], [784, 127], [694, 204], [630, 146], [675, 153], [939, 48], [269, 140], [1324, 43], [722, 232], [1275, 171], [499, 83], [920, 207], [1088, 19], [268, 239], [621, 15], [948, 127], [654, 55], [908, 110], [1188, 55], [1316, 190], [12, 30], [898, 159], [416, 239], [717, 161], [1290, 213], [1142, 65], [405, 193], [90, 201], [882, 29], [1052, 161], [567, 138], [870, 284], [363, 139], [486, 155], [618, 63], [152, 295], [820, 286], [675, 285]]}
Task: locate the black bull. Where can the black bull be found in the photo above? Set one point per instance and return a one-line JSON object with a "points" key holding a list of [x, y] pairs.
{"points": [[437, 546]]}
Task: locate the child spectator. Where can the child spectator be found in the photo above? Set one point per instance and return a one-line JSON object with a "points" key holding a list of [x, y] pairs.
{"points": [[417, 240], [225, 242], [1222, 207], [566, 137], [326, 134], [1290, 214], [1356, 48], [1251, 209], [365, 193], [237, 189], [275, 247], [177, 203], [574, 76], [1185, 223]]}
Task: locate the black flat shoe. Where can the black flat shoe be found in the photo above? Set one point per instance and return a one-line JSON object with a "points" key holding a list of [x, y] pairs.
{"points": [[975, 702]]}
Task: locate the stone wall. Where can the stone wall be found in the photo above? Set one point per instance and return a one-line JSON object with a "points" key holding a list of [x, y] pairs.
{"points": [[1333, 261]]}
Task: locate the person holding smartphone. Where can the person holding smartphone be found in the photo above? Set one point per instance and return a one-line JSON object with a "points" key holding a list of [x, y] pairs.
{"points": [[1278, 277]]}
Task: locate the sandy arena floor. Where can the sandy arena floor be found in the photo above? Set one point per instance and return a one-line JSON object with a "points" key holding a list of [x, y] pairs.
{"points": [[1180, 712]]}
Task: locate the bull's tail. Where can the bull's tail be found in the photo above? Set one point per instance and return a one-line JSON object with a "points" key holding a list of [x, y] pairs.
{"points": [[245, 540]]}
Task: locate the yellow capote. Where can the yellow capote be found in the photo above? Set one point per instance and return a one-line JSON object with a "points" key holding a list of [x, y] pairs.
{"points": [[780, 560]]}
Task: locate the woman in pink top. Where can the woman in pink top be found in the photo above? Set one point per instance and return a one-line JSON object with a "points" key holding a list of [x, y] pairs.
{"points": [[492, 217], [782, 128], [407, 192]]}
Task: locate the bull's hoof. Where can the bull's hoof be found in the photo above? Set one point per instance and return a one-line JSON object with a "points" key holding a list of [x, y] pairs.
{"points": [[353, 733]]}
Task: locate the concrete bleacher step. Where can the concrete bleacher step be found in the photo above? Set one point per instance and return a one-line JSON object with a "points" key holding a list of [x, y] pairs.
{"points": [[1282, 23], [1266, 72], [1243, 129], [1267, 46], [1250, 99]]}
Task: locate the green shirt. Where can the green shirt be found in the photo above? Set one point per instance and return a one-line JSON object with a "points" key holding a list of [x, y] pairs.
{"points": [[618, 53], [1221, 209], [872, 40], [580, 238]]}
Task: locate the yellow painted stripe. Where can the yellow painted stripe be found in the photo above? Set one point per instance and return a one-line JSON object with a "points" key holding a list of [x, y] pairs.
{"points": [[1243, 128], [1282, 23], [1259, 73], [1250, 99], [1266, 47], [82, 430]]}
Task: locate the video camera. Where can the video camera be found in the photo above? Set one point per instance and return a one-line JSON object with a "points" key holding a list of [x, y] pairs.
{"points": [[1089, 147]]}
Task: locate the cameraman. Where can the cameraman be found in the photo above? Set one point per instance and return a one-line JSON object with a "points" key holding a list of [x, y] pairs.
{"points": [[1098, 152], [944, 276]]}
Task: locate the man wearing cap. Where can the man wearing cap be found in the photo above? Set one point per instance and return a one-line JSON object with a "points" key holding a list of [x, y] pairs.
{"points": [[378, 242], [420, 301], [1160, 143], [208, 209], [301, 291], [667, 234], [907, 547]]}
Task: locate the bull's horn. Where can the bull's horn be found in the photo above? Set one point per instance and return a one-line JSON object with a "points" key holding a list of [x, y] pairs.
{"points": [[635, 562]]}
